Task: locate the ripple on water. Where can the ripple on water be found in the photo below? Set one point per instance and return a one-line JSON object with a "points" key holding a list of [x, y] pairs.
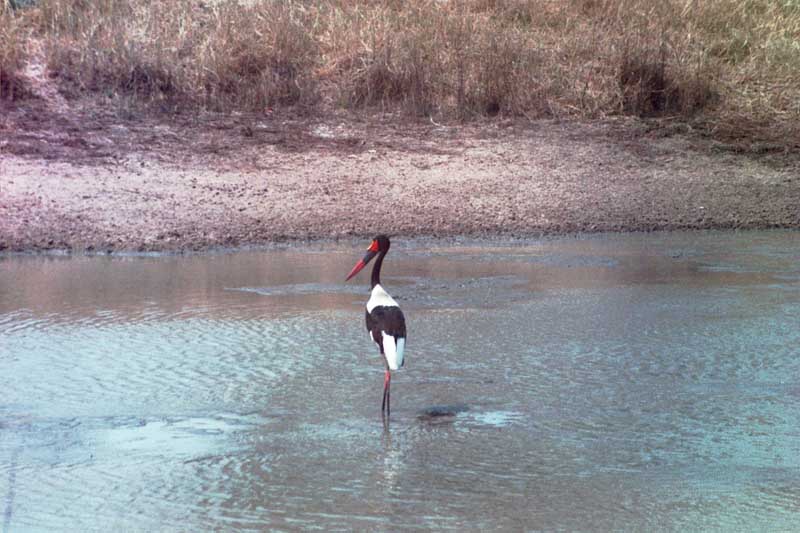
{"points": [[414, 292], [495, 419], [176, 364], [302, 288]]}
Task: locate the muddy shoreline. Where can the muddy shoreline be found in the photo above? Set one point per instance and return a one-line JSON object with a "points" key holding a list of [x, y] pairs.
{"points": [[84, 179]]}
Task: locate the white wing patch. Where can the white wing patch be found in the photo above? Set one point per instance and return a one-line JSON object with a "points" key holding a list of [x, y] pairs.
{"points": [[393, 351], [380, 297]]}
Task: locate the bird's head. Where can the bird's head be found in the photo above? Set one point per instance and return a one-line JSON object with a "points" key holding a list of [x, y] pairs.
{"points": [[379, 244]]}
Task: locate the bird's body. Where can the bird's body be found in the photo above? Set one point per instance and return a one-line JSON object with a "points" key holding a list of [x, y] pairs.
{"points": [[387, 326], [385, 321]]}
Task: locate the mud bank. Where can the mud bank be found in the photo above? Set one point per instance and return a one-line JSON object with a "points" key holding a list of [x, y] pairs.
{"points": [[95, 180]]}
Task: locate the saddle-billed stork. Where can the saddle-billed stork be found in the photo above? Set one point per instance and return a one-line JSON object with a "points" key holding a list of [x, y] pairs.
{"points": [[385, 321]]}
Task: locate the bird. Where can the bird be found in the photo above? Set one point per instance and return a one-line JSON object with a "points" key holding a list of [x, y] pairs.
{"points": [[385, 321]]}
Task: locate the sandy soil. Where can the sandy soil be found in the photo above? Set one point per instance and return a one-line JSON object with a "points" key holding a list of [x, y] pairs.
{"points": [[88, 177]]}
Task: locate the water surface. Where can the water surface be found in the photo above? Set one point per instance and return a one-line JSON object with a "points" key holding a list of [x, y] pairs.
{"points": [[635, 382]]}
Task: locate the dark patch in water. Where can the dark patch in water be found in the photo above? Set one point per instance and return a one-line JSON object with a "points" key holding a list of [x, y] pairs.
{"points": [[441, 413]]}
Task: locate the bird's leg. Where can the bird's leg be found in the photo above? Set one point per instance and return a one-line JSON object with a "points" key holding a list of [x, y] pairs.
{"points": [[383, 404], [387, 381]]}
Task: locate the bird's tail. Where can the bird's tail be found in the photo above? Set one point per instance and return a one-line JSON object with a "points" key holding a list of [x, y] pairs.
{"points": [[393, 348]]}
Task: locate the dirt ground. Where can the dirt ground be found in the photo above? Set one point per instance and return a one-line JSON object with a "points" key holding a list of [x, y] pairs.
{"points": [[84, 176]]}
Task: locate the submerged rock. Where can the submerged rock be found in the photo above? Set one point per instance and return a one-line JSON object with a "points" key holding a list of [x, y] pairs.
{"points": [[441, 413]]}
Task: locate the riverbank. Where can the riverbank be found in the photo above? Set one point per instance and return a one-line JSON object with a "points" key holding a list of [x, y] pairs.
{"points": [[94, 179]]}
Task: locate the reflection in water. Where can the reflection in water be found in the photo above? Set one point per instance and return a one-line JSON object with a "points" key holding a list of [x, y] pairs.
{"points": [[392, 459], [11, 489], [624, 382]]}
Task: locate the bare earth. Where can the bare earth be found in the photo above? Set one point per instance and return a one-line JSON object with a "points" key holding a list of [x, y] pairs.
{"points": [[84, 177]]}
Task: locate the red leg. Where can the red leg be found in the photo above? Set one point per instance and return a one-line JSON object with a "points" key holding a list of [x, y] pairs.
{"points": [[387, 382]]}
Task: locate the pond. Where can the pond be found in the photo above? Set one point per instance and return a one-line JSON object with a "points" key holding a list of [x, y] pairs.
{"points": [[645, 381]]}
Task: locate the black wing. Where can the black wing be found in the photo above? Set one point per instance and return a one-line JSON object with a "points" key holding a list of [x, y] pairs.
{"points": [[386, 319]]}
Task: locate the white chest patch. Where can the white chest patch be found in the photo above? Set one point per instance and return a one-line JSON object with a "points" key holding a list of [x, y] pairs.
{"points": [[380, 297]]}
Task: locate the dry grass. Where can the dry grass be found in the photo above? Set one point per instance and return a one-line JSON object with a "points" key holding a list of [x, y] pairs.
{"points": [[12, 53], [183, 53], [728, 65]]}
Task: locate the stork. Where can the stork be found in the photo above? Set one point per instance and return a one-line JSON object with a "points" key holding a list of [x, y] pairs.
{"points": [[385, 321]]}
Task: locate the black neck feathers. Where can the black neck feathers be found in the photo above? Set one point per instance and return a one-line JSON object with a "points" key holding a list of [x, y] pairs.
{"points": [[383, 247], [376, 269]]}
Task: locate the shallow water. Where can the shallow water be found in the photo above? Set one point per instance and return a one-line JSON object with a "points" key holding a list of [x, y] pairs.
{"points": [[635, 382]]}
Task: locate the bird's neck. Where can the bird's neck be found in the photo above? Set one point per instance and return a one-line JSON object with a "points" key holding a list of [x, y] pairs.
{"points": [[376, 270]]}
